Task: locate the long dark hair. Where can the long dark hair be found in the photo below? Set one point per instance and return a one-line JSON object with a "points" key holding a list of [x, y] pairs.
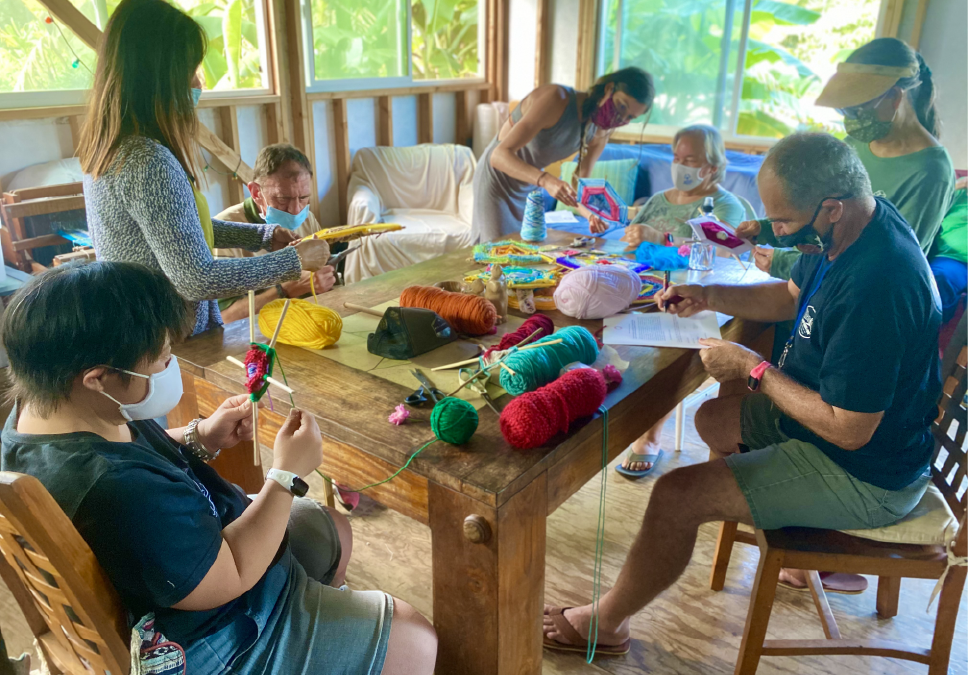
{"points": [[632, 80], [142, 86], [920, 88]]}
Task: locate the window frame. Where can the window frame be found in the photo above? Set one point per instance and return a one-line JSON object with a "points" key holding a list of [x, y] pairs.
{"points": [[55, 98], [317, 86]]}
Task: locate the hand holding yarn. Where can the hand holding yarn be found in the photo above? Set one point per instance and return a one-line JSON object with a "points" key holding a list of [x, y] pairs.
{"points": [[597, 291], [532, 419]]}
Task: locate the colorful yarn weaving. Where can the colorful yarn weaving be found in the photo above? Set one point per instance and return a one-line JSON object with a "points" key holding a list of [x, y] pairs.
{"points": [[258, 367], [307, 324], [530, 420], [537, 367], [536, 322], [470, 314], [533, 226], [597, 291], [453, 420]]}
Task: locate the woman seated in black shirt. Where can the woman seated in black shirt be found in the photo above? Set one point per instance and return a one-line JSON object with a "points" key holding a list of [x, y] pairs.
{"points": [[91, 369]]}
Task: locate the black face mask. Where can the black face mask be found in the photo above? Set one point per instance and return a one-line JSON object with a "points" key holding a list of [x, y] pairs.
{"points": [[808, 235]]}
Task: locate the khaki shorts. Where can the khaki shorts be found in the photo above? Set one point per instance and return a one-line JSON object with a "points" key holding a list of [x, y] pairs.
{"points": [[788, 482]]}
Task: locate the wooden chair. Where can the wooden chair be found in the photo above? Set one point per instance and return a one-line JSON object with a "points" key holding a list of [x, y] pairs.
{"points": [[68, 601], [812, 549], [17, 206]]}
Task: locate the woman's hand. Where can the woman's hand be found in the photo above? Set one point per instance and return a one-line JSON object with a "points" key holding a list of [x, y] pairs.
{"points": [[299, 445], [596, 224], [281, 238], [323, 280], [748, 229], [313, 253], [229, 425], [558, 189], [636, 234], [763, 257]]}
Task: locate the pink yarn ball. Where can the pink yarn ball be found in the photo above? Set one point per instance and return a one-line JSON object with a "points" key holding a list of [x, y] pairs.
{"points": [[597, 291]]}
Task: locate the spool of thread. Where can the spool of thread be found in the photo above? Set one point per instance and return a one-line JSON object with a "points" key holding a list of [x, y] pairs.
{"points": [[453, 420], [470, 314], [306, 325], [537, 367], [597, 291], [530, 420], [536, 322], [533, 224]]}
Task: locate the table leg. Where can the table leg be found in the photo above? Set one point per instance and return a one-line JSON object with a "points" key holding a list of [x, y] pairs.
{"points": [[489, 567]]}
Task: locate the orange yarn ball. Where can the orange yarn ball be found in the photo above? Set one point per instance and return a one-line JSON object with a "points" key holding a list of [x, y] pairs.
{"points": [[470, 314]]}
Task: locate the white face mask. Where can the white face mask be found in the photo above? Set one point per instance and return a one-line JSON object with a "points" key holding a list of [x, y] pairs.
{"points": [[686, 178], [164, 393]]}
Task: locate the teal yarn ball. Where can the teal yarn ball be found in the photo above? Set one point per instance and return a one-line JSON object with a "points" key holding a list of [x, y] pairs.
{"points": [[537, 367], [453, 420]]}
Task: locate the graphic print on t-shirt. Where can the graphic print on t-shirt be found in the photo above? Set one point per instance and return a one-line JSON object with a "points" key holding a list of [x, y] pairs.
{"points": [[806, 325], [204, 491]]}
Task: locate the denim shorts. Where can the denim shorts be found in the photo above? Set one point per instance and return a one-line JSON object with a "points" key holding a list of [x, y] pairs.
{"points": [[792, 483]]}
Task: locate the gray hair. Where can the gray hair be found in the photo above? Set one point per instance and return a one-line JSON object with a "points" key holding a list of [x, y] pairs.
{"points": [[815, 166], [272, 158], [712, 142]]}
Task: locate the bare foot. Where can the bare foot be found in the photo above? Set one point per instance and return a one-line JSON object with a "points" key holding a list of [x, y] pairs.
{"points": [[643, 445], [580, 618], [796, 578]]}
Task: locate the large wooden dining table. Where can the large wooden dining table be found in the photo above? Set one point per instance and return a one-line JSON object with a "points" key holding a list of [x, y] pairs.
{"points": [[485, 502]]}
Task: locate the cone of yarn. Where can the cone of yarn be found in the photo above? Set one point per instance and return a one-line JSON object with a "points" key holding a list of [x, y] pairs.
{"points": [[306, 325], [532, 419], [453, 420], [537, 367], [533, 225], [470, 314], [597, 291], [537, 322]]}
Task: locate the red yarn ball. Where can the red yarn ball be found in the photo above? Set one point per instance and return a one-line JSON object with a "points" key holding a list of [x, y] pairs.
{"points": [[532, 419], [536, 322], [256, 369]]}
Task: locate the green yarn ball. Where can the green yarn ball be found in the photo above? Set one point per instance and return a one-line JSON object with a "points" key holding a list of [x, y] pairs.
{"points": [[453, 420]]}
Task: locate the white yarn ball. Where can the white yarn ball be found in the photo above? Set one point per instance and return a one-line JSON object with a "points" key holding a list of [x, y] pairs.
{"points": [[597, 291]]}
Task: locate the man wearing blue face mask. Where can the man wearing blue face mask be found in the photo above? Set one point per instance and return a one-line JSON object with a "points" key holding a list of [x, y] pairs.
{"points": [[281, 192]]}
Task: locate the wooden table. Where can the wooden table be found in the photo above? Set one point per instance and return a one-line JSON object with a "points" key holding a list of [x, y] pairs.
{"points": [[485, 503]]}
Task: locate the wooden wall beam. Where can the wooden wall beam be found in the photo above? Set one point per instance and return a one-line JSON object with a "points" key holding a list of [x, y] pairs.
{"points": [[229, 119], [425, 118], [294, 87], [497, 67], [469, 85], [461, 130], [889, 18], [384, 121], [587, 41], [915, 38], [542, 43], [342, 142], [275, 130]]}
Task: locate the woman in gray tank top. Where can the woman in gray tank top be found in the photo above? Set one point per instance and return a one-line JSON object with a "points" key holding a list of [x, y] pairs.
{"points": [[552, 123]]}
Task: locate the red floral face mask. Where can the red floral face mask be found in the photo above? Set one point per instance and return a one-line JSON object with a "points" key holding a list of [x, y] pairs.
{"points": [[606, 116]]}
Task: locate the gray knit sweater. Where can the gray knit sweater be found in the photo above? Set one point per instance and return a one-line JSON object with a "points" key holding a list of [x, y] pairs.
{"points": [[143, 210]]}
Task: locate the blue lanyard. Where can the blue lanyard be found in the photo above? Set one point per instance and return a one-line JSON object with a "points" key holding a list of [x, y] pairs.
{"points": [[818, 276]]}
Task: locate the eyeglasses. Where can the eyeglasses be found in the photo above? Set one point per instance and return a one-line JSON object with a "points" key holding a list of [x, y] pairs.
{"points": [[854, 112]]}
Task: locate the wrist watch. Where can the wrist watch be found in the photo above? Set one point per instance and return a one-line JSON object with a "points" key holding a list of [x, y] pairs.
{"points": [[281, 292], [669, 241], [290, 481], [756, 375], [194, 445]]}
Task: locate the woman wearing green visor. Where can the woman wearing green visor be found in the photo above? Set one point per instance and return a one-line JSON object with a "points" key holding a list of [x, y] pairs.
{"points": [[886, 94]]}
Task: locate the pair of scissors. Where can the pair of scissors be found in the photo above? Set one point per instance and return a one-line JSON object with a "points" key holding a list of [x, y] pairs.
{"points": [[427, 389], [478, 384]]}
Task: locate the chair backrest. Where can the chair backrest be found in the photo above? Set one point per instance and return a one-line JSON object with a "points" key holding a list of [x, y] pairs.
{"points": [[750, 211], [67, 599], [951, 444]]}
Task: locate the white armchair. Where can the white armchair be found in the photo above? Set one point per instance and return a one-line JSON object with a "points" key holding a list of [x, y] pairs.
{"points": [[426, 188]]}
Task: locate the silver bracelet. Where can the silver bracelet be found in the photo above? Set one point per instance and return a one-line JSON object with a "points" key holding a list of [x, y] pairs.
{"points": [[194, 445]]}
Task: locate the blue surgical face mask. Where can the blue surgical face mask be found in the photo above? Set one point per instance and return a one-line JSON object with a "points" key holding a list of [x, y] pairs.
{"points": [[196, 95], [286, 219]]}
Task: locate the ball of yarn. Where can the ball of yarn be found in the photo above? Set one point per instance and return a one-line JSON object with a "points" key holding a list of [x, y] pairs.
{"points": [[533, 224], [538, 322], [453, 420], [531, 419], [470, 314], [537, 367], [306, 324], [597, 291]]}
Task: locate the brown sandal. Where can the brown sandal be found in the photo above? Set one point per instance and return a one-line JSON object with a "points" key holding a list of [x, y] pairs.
{"points": [[833, 582], [578, 643]]}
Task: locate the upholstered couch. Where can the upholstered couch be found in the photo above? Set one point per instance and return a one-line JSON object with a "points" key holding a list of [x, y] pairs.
{"points": [[426, 188]]}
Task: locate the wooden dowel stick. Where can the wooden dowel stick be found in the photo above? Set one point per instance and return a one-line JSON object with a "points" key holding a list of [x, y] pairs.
{"points": [[455, 365], [270, 380], [251, 316], [282, 317], [508, 368], [540, 344], [256, 459], [736, 258], [361, 308]]}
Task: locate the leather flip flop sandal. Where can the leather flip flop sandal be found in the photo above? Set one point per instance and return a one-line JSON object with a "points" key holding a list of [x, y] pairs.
{"points": [[578, 643], [834, 582]]}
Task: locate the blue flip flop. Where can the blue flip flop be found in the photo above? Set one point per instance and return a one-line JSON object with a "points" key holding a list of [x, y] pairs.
{"points": [[636, 457]]}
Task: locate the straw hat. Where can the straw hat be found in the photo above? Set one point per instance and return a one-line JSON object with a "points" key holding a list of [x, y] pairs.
{"points": [[856, 83]]}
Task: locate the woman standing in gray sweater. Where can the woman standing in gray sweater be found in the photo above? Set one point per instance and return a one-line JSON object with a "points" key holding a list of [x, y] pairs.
{"points": [[141, 161]]}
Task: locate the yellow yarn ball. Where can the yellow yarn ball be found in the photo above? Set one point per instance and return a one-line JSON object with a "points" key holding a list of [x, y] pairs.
{"points": [[306, 325]]}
